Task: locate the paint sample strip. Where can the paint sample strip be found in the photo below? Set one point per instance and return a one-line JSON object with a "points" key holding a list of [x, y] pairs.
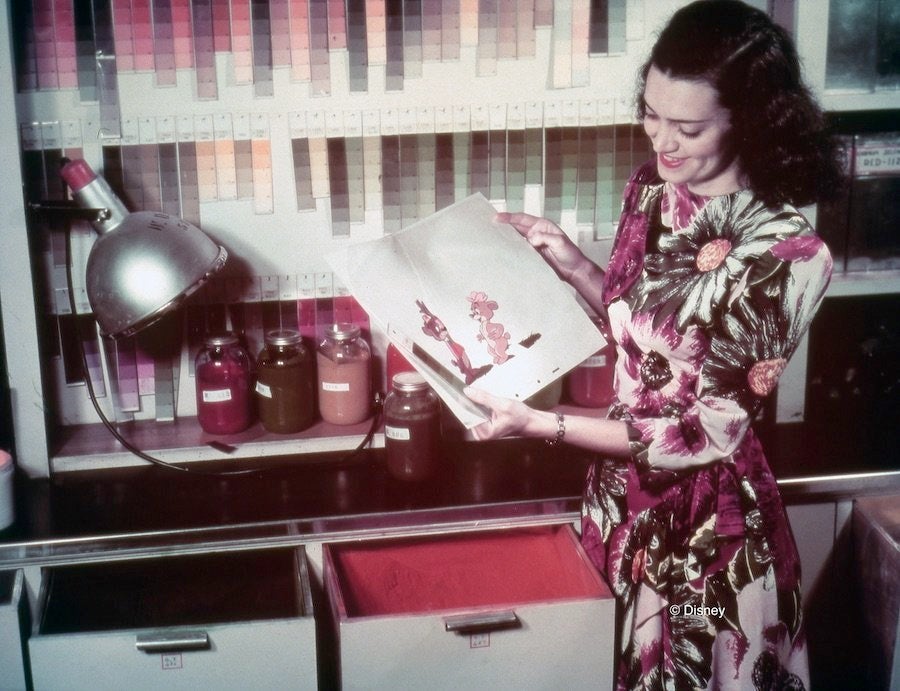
{"points": [[431, 30], [337, 25], [488, 27], [394, 66], [168, 179], [586, 175], [182, 36], [356, 190], [390, 182], [412, 38], [280, 23], [450, 29], [444, 189], [204, 49], [371, 152], [358, 52], [163, 43], [226, 172], [222, 26], [261, 154], [261, 27], [507, 29], [376, 39], [142, 35], [85, 52], [299, 32], [64, 35], [320, 69], [44, 41], [205, 148], [123, 32], [242, 41], [339, 194], [425, 192]]}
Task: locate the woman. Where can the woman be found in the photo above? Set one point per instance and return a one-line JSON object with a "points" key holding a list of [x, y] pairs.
{"points": [[713, 279]]}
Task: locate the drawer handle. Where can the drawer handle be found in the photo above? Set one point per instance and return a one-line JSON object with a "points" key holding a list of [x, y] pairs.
{"points": [[482, 622], [172, 642]]}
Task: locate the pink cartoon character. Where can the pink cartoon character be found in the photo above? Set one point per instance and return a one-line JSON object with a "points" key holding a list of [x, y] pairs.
{"points": [[495, 335]]}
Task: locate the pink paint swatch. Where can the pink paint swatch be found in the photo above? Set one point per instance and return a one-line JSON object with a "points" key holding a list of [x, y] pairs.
{"points": [[299, 26], [241, 41]]}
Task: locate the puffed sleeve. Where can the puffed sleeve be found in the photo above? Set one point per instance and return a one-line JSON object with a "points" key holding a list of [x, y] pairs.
{"points": [[742, 353]]}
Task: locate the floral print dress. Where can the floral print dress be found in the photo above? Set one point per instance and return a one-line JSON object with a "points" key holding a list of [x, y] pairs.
{"points": [[707, 298]]}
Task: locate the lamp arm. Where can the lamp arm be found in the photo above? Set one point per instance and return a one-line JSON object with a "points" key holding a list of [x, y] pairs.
{"points": [[64, 210]]}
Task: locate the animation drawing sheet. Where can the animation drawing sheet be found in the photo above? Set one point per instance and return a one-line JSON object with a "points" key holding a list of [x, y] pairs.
{"points": [[470, 302]]}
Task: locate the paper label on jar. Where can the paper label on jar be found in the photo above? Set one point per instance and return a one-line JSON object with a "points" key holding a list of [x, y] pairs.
{"points": [[335, 386], [263, 389], [217, 396], [396, 433]]}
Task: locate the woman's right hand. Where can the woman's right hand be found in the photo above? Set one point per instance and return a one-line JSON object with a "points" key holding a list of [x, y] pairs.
{"points": [[563, 255]]}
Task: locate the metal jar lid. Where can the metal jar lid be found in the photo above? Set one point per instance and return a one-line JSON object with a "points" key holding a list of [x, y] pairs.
{"points": [[342, 332], [408, 382], [283, 337], [221, 340]]}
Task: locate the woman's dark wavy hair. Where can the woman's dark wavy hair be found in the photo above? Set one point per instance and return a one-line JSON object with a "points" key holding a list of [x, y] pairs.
{"points": [[778, 130]]}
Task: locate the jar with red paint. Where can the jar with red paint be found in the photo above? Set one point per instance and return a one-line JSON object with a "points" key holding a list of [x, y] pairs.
{"points": [[222, 378], [590, 385], [412, 427]]}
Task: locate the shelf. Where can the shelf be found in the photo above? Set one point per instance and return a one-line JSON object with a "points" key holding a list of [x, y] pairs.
{"points": [[92, 447], [852, 283]]}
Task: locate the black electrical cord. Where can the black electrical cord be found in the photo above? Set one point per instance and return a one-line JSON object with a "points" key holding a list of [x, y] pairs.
{"points": [[376, 418]]}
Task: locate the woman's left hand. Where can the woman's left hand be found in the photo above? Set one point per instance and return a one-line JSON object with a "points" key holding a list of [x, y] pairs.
{"points": [[508, 417]]}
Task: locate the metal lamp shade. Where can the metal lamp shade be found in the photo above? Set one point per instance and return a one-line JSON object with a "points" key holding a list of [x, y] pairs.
{"points": [[146, 267]]}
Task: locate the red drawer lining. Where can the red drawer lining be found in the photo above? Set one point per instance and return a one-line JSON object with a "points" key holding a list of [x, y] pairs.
{"points": [[464, 571]]}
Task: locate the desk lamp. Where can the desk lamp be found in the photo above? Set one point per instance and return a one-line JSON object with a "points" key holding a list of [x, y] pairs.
{"points": [[144, 264]]}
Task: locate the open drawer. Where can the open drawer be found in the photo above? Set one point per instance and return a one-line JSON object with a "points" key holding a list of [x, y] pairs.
{"points": [[231, 620], [511, 609]]}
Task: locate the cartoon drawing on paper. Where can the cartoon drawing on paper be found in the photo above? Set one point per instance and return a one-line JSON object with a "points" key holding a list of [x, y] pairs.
{"points": [[492, 333], [434, 327]]}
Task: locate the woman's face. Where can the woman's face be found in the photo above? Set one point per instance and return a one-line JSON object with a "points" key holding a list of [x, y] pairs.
{"points": [[688, 129]]}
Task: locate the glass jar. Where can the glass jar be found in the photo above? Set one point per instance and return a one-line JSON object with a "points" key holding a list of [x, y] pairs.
{"points": [[412, 427], [222, 380], [285, 383], [344, 363], [590, 384]]}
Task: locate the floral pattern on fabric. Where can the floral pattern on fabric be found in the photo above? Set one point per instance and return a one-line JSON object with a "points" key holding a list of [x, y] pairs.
{"points": [[707, 298]]}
